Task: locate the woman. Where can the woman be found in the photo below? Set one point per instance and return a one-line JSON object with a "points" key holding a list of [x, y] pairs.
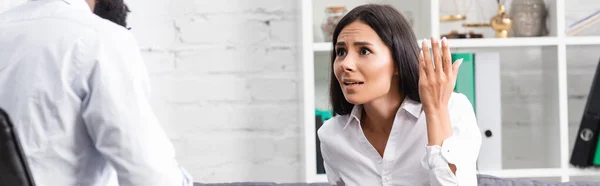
{"points": [[397, 120]]}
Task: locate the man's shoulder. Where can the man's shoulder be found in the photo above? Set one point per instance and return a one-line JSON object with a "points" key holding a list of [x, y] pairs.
{"points": [[69, 19], [103, 28], [104, 32]]}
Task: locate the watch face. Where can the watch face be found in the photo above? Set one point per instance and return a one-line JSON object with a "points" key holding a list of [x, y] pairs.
{"points": [[115, 11]]}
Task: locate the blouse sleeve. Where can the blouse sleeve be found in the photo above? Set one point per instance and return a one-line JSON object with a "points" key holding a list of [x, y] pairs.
{"points": [[333, 177], [460, 149]]}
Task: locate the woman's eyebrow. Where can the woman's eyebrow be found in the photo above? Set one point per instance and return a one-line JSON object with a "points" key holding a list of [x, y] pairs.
{"points": [[361, 43], [358, 43]]}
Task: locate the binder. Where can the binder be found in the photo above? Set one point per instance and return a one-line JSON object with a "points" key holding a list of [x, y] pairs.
{"points": [[489, 109], [14, 167], [320, 163], [594, 110], [587, 135], [465, 80]]}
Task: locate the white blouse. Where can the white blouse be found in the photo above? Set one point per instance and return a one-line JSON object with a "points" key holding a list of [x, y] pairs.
{"points": [[350, 159]]}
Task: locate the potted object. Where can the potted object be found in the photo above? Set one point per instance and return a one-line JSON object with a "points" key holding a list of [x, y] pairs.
{"points": [[529, 18], [333, 15], [501, 22]]}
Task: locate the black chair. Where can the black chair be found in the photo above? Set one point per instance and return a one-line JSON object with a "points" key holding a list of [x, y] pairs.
{"points": [[14, 170]]}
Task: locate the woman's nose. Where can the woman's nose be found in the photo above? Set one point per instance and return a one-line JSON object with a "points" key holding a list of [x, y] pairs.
{"points": [[348, 65]]}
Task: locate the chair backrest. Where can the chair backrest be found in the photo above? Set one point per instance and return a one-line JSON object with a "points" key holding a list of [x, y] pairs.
{"points": [[14, 170]]}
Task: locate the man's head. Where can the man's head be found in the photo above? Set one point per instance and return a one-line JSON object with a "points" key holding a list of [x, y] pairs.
{"points": [[112, 10]]}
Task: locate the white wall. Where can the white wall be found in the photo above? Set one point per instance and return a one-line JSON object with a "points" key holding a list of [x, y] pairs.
{"points": [[225, 78]]}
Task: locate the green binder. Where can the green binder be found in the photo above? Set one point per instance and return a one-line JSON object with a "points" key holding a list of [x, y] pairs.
{"points": [[465, 81], [597, 155], [325, 114]]}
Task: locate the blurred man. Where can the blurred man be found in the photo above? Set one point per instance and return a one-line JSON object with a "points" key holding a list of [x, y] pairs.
{"points": [[77, 89]]}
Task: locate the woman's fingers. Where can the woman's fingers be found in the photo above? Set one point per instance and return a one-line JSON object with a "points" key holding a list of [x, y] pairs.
{"points": [[447, 58], [427, 58], [437, 55], [422, 71], [456, 66]]}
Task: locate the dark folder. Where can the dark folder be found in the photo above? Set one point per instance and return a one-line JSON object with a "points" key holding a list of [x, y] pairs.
{"points": [[320, 165], [14, 169], [587, 136]]}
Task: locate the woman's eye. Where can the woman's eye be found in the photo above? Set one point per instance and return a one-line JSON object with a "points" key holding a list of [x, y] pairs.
{"points": [[340, 52], [364, 51]]}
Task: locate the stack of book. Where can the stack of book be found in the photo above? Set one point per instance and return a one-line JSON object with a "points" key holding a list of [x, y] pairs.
{"points": [[584, 23], [586, 152]]}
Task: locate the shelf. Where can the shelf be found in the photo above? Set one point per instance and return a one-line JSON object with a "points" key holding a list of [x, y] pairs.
{"points": [[584, 172], [320, 178], [520, 173], [583, 40], [322, 47], [503, 42], [538, 173], [489, 42]]}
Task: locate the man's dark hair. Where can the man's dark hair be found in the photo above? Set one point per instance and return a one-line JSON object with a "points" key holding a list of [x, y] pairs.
{"points": [[112, 10], [395, 31]]}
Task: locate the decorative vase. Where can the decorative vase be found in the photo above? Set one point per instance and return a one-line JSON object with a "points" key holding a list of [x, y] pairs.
{"points": [[501, 23], [333, 15], [529, 17]]}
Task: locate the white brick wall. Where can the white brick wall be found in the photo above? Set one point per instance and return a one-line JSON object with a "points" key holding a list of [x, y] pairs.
{"points": [[225, 78]]}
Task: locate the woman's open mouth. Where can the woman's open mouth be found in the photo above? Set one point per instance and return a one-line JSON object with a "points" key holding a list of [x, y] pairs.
{"points": [[349, 83], [351, 86]]}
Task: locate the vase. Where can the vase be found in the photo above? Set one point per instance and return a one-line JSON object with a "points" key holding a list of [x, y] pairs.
{"points": [[333, 15], [529, 18]]}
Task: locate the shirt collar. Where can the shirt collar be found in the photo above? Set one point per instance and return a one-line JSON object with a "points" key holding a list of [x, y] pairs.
{"points": [[411, 106], [78, 3]]}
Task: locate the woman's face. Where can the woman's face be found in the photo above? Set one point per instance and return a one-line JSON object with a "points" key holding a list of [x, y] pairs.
{"points": [[363, 65]]}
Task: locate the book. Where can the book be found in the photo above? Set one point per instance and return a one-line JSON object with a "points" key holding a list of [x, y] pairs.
{"points": [[585, 150], [489, 109], [320, 162], [324, 114], [584, 23], [465, 80], [593, 110]]}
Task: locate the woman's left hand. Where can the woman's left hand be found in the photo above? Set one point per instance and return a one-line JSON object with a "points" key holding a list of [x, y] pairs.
{"points": [[437, 75], [437, 78]]}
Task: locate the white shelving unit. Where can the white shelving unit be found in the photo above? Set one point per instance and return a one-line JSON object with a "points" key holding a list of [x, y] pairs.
{"points": [[553, 52], [493, 42]]}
